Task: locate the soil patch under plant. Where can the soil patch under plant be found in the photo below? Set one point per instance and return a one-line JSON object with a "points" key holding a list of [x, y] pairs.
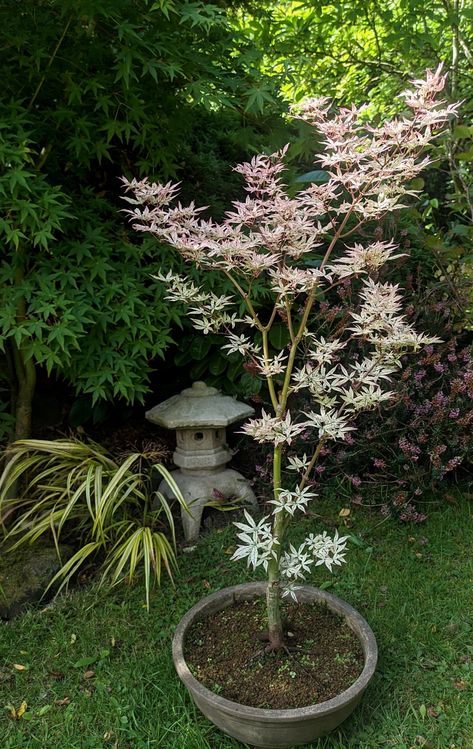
{"points": [[225, 652]]}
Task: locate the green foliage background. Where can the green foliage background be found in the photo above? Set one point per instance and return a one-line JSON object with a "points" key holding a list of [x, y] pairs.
{"points": [[93, 89]]}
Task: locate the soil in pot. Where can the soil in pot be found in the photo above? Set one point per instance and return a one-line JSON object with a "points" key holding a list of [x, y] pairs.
{"points": [[226, 653]]}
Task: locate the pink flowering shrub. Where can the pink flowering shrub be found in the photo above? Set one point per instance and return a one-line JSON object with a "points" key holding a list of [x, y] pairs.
{"points": [[301, 248], [423, 441], [427, 439]]}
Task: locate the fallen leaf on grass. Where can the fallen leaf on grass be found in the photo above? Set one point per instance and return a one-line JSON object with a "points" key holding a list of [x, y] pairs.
{"points": [[344, 512], [43, 710], [21, 710], [206, 584], [460, 684], [423, 742], [87, 661], [428, 663], [230, 550], [88, 674], [64, 701], [18, 712], [432, 712], [56, 675], [451, 499], [20, 667]]}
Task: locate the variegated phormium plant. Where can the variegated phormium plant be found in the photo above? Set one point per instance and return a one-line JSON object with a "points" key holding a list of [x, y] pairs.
{"points": [[298, 246]]}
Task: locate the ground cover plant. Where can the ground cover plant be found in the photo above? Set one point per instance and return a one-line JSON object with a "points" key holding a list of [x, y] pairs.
{"points": [[95, 669], [297, 247]]}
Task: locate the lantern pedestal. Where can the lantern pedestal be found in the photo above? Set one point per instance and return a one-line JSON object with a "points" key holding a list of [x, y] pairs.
{"points": [[199, 415], [200, 487]]}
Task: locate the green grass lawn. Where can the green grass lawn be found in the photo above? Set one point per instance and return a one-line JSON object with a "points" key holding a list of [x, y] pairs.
{"points": [[98, 671]]}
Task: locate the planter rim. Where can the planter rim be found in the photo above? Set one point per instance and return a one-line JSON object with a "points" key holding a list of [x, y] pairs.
{"points": [[364, 633]]}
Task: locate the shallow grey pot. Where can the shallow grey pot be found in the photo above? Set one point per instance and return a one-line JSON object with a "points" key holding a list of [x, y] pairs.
{"points": [[274, 729]]}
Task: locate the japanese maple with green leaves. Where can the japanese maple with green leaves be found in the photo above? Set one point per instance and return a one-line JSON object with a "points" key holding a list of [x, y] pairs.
{"points": [[103, 85]]}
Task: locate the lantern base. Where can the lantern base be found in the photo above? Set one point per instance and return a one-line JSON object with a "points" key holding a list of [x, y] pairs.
{"points": [[201, 487]]}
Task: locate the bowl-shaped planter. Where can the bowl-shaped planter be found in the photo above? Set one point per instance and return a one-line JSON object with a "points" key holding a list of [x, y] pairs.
{"points": [[274, 729]]}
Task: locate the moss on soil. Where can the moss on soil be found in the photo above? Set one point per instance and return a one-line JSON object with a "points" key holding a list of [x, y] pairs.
{"points": [[25, 574]]}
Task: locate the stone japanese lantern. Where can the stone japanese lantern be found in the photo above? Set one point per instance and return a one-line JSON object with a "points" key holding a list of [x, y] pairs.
{"points": [[200, 415]]}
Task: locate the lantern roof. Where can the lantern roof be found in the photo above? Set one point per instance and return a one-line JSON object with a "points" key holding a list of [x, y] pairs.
{"points": [[198, 406]]}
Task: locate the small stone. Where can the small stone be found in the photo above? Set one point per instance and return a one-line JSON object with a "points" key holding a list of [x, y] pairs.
{"points": [[25, 575]]}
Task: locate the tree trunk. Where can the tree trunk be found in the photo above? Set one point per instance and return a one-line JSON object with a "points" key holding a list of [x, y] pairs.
{"points": [[25, 372], [273, 604], [24, 402], [273, 594]]}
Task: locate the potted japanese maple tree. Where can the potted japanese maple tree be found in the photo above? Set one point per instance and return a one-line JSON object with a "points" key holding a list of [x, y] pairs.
{"points": [[298, 248]]}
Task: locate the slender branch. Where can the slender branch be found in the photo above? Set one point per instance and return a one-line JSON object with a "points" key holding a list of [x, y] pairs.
{"points": [[269, 379], [246, 300], [273, 315], [339, 231], [293, 352], [372, 25], [465, 48], [49, 63], [289, 319], [44, 153], [312, 463], [305, 316], [447, 277], [455, 50]]}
